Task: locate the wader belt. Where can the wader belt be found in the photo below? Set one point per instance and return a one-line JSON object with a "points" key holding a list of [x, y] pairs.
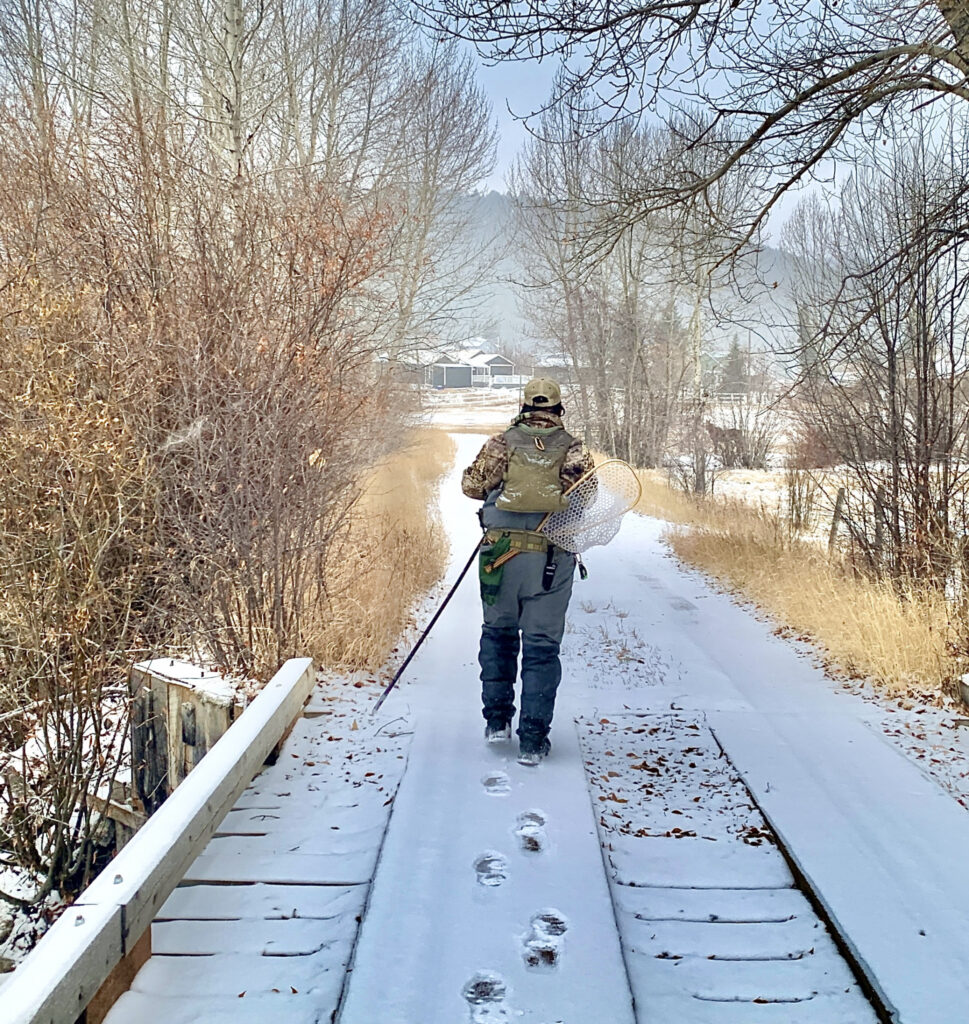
{"points": [[507, 544], [519, 540], [504, 544], [490, 569]]}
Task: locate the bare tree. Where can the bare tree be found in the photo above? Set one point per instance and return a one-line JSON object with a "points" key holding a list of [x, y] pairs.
{"points": [[631, 315], [446, 146], [787, 82], [881, 298], [614, 317]]}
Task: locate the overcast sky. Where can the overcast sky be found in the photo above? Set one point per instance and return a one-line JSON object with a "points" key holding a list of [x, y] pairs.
{"points": [[523, 86]]}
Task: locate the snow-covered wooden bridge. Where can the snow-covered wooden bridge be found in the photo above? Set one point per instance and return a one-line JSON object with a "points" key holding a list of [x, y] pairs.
{"points": [[719, 836]]}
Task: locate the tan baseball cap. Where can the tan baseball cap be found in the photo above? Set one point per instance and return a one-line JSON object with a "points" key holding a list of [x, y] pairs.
{"points": [[542, 391]]}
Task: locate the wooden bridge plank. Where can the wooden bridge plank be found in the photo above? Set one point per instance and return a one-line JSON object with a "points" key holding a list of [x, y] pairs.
{"points": [[275, 938], [138, 1008], [696, 863], [243, 866], [709, 904], [225, 975], [316, 836], [261, 901]]}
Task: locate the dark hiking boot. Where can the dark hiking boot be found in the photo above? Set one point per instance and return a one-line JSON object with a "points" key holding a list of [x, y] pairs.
{"points": [[498, 732], [532, 754]]}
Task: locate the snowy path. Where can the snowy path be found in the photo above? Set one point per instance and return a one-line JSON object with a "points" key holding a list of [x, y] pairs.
{"points": [[630, 878], [477, 850], [490, 881], [438, 937]]}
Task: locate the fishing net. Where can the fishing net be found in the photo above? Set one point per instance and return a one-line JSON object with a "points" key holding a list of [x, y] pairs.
{"points": [[597, 504]]}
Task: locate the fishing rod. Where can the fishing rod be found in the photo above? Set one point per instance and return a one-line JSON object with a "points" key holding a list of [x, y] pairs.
{"points": [[430, 626]]}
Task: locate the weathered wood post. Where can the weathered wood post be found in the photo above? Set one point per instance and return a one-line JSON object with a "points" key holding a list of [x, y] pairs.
{"points": [[880, 518], [178, 711], [836, 518]]}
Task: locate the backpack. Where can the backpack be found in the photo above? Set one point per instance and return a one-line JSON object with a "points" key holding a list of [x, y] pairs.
{"points": [[532, 482]]}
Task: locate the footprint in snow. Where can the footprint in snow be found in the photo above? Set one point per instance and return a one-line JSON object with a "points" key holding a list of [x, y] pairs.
{"points": [[549, 923], [542, 947], [485, 993], [496, 783], [531, 831], [531, 818], [491, 868]]}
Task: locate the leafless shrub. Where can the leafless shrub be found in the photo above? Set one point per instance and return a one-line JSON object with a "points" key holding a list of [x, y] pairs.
{"points": [[882, 352], [212, 221], [695, 473], [808, 448], [77, 572], [277, 413], [801, 488]]}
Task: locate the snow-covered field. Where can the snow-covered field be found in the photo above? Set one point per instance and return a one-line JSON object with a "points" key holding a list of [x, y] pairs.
{"points": [[484, 409], [491, 409], [761, 488]]}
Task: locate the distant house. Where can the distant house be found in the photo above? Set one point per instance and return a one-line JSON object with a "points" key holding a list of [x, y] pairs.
{"points": [[471, 368], [412, 365], [488, 367], [444, 374]]}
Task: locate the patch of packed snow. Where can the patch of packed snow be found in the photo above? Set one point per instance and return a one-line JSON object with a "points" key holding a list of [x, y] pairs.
{"points": [[932, 731]]}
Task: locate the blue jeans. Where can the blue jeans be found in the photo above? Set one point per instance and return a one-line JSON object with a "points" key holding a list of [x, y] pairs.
{"points": [[525, 616]]}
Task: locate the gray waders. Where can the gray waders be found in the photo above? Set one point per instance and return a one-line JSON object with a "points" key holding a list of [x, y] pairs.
{"points": [[524, 612]]}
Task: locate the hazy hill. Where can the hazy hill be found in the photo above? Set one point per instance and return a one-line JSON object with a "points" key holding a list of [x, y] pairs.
{"points": [[757, 310]]}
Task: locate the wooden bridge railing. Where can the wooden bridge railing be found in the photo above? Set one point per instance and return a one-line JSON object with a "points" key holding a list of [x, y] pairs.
{"points": [[90, 954]]}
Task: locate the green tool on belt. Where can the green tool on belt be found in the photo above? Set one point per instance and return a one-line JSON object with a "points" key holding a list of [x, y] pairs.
{"points": [[491, 567]]}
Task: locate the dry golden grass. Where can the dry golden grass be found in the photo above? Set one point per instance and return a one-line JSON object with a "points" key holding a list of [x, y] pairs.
{"points": [[864, 626], [393, 551], [664, 502]]}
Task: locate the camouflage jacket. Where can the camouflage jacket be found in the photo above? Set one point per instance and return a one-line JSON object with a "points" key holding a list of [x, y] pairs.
{"points": [[488, 469]]}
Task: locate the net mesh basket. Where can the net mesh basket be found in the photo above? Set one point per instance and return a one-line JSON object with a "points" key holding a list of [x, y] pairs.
{"points": [[597, 504]]}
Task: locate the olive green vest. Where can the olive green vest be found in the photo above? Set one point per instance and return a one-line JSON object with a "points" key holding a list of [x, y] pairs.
{"points": [[532, 481]]}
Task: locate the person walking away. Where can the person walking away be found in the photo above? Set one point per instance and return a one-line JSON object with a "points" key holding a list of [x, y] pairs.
{"points": [[521, 475]]}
